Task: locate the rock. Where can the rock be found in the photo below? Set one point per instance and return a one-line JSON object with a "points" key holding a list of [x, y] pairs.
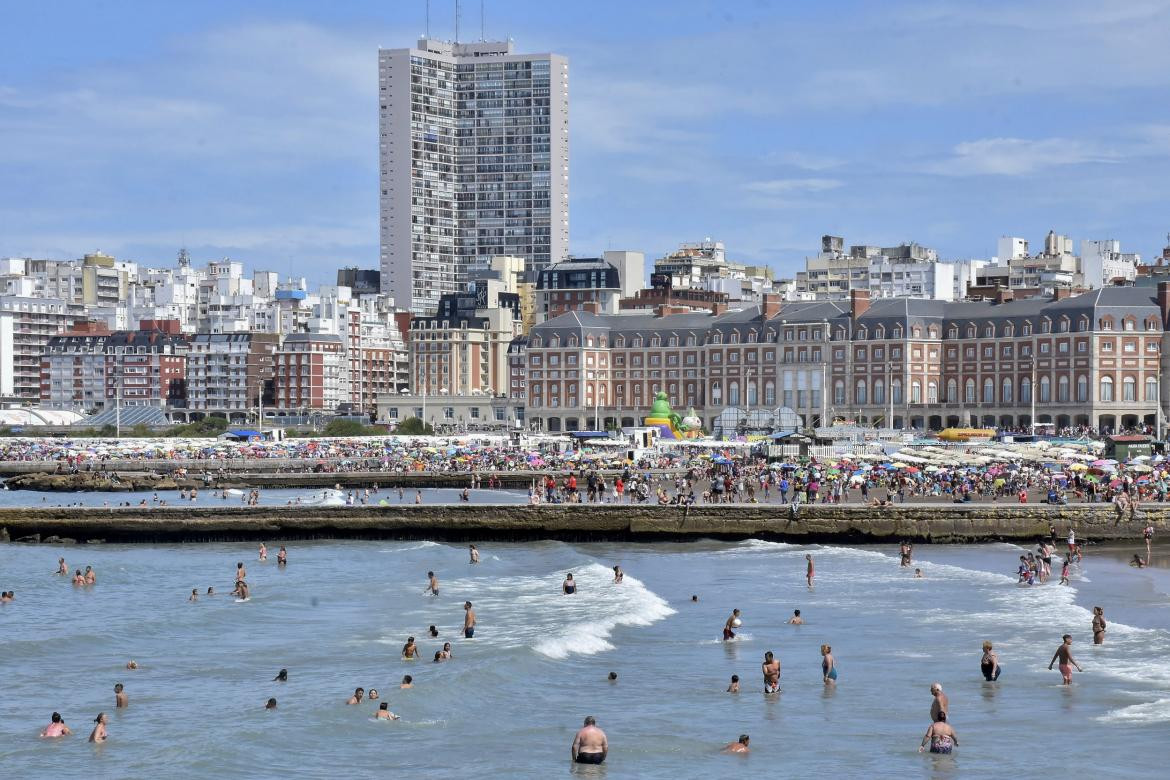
{"points": [[67, 540], [166, 484], [34, 539], [95, 541], [51, 540], [4, 534]]}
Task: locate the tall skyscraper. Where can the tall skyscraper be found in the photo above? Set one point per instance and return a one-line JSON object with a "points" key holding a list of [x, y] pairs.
{"points": [[474, 157]]}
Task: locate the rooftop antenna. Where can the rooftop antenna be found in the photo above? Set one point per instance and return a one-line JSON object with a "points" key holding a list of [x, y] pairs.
{"points": [[456, 21], [482, 25], [428, 18]]}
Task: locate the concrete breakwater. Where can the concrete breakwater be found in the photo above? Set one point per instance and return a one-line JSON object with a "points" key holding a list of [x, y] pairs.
{"points": [[131, 481], [580, 522]]}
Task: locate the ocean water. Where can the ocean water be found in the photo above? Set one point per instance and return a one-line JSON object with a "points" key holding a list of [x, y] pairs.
{"points": [[509, 702], [268, 497]]}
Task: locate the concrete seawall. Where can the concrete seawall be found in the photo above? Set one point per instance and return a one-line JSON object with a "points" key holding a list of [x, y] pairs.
{"points": [[921, 523]]}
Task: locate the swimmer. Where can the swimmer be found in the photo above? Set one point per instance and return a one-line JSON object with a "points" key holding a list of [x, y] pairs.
{"points": [[474, 553], [741, 746], [446, 651], [940, 736], [407, 682], [796, 619], [410, 649], [373, 694], [433, 631], [618, 574], [358, 693], [771, 670], [418, 496], [270, 704], [242, 591], [78, 578], [194, 594], [241, 573], [734, 687], [282, 556], [90, 576], [468, 621], [56, 728], [439, 657], [1098, 626], [1137, 561], [131, 664], [384, 712], [210, 591], [989, 663], [432, 584], [918, 574], [61, 567], [809, 573], [263, 552], [1067, 662], [732, 622], [281, 676], [828, 665], [120, 698], [612, 677], [940, 703], [99, 730], [569, 587], [694, 599], [590, 744]]}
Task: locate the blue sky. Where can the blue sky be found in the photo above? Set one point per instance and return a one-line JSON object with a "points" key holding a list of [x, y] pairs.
{"points": [[249, 130]]}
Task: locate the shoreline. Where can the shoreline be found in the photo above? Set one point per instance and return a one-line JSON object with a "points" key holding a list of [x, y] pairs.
{"points": [[921, 523]]}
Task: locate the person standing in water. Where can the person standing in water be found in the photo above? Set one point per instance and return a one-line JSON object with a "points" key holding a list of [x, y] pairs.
{"points": [[796, 619], [771, 670], [282, 556], [194, 595], [618, 575], [99, 730], [828, 665], [809, 574], [590, 745], [733, 622], [120, 698], [241, 573], [432, 583], [1098, 626], [569, 587], [940, 703], [61, 567], [358, 693], [989, 663], [263, 552], [56, 728], [940, 736], [384, 712], [468, 621], [410, 649], [474, 554], [1067, 662]]}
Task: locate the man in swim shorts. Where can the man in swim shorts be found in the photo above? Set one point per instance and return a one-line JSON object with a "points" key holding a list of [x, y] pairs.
{"points": [[432, 583], [590, 746], [468, 620], [771, 669], [728, 633], [1067, 662]]}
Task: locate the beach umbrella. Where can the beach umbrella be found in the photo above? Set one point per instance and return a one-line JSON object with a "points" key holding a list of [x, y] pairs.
{"points": [[1078, 467]]}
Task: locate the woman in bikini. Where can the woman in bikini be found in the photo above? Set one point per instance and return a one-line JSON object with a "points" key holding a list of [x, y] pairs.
{"points": [[940, 736]]}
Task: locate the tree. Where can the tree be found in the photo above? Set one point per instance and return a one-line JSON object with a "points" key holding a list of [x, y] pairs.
{"points": [[412, 426], [340, 427]]}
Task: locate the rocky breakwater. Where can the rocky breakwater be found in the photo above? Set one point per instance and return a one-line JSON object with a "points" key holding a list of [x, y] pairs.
{"points": [[940, 523], [102, 481]]}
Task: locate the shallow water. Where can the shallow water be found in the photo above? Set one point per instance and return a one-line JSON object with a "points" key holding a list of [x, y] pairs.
{"points": [[509, 702], [268, 497]]}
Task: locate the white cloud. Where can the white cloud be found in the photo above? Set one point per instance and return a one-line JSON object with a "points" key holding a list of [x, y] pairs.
{"points": [[787, 186], [1019, 156]]}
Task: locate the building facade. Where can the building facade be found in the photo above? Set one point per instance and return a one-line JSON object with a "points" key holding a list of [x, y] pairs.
{"points": [[311, 373], [230, 374], [474, 160]]}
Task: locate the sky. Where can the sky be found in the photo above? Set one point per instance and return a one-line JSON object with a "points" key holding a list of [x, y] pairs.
{"points": [[250, 130]]}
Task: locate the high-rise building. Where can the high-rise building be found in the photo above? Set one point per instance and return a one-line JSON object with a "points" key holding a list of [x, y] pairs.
{"points": [[474, 160]]}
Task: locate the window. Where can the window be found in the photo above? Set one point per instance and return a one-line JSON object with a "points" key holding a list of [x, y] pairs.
{"points": [[1128, 387], [1082, 389], [1129, 346], [1005, 395], [1106, 346], [1151, 389], [969, 390], [988, 351], [989, 332], [449, 412], [769, 394], [988, 390], [1007, 350], [915, 392], [1106, 388], [1129, 323], [839, 392], [952, 391], [932, 392], [859, 394], [1026, 390], [879, 391], [1106, 323], [1062, 347], [1045, 347], [896, 390], [1045, 390], [1062, 389], [969, 353], [733, 393]]}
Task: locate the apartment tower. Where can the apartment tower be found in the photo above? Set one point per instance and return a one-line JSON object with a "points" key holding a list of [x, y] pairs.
{"points": [[474, 159]]}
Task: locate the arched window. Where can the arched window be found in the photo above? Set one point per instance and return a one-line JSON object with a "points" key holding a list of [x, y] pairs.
{"points": [[716, 393], [896, 390], [572, 341], [1005, 394], [933, 331], [915, 392], [1151, 323], [916, 332], [1082, 389], [1062, 389], [769, 393], [879, 391], [859, 395], [952, 391], [1025, 390], [1128, 388], [535, 341], [1106, 323], [752, 399], [839, 392], [1062, 325], [1151, 389], [1129, 323], [1045, 390], [1106, 388], [733, 393], [969, 390], [988, 390], [932, 392]]}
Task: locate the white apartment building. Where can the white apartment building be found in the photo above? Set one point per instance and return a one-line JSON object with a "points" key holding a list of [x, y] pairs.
{"points": [[474, 161], [1103, 261], [28, 322], [703, 265], [906, 270]]}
